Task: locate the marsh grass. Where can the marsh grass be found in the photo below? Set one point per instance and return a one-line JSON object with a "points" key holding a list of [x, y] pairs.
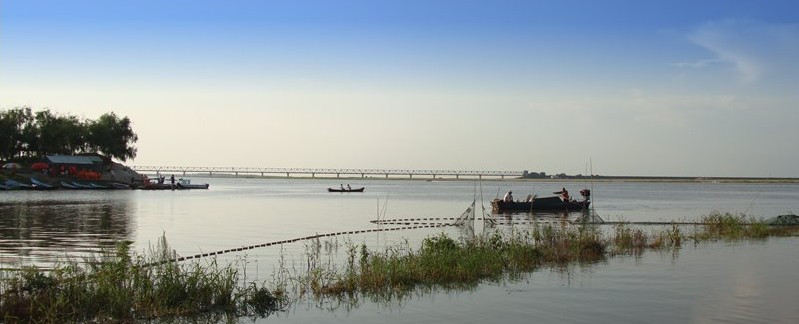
{"points": [[441, 261], [727, 226], [626, 239], [120, 286]]}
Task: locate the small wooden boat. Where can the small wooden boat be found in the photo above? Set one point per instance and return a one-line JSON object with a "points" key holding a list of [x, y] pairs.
{"points": [[157, 186], [41, 185], [15, 185], [186, 184], [80, 185], [69, 185], [97, 185], [346, 190], [119, 185]]}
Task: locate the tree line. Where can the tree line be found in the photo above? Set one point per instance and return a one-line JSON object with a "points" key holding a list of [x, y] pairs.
{"points": [[24, 133]]}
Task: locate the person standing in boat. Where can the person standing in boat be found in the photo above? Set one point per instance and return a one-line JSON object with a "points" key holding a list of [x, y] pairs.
{"points": [[172, 180], [564, 194], [348, 187], [508, 197]]}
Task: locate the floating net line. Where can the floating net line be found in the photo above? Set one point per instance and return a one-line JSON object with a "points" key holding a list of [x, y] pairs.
{"points": [[466, 219], [410, 223]]}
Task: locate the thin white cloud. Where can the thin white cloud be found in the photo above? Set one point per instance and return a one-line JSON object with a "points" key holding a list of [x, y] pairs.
{"points": [[658, 108], [697, 64], [754, 48]]}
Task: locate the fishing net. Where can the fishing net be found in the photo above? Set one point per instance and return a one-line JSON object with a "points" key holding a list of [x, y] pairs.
{"points": [[467, 217]]}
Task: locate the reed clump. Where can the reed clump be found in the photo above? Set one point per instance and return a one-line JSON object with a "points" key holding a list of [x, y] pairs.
{"points": [[729, 226], [629, 240], [443, 261], [120, 287], [670, 238]]}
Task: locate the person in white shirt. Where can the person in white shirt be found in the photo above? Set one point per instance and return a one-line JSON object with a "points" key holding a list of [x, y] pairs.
{"points": [[508, 197]]}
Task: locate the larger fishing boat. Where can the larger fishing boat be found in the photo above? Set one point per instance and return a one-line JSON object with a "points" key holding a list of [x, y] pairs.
{"points": [[543, 204]]}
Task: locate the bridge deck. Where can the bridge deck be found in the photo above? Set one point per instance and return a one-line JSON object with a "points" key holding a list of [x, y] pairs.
{"points": [[323, 171]]}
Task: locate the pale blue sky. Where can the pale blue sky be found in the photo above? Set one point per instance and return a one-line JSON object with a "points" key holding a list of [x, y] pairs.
{"points": [[698, 88]]}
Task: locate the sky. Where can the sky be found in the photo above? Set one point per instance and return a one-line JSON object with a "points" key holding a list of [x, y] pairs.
{"points": [[649, 88]]}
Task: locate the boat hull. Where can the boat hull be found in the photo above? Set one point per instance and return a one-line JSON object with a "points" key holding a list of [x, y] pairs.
{"points": [[346, 190], [192, 186], [545, 204]]}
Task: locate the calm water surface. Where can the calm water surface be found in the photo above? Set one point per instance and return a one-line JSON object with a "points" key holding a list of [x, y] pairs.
{"points": [[718, 282]]}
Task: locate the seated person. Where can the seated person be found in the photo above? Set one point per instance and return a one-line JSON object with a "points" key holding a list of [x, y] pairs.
{"points": [[508, 197]]}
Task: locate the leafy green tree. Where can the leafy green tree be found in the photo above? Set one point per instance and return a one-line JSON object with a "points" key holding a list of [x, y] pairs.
{"points": [[59, 134], [16, 130], [8, 132], [23, 133], [112, 137]]}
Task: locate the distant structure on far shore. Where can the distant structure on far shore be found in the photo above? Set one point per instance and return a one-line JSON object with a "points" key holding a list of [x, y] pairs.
{"points": [[543, 175]]}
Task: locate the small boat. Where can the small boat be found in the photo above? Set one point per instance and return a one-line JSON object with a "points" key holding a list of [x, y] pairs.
{"points": [[97, 186], [16, 185], [80, 185], [789, 219], [41, 185], [346, 190], [157, 186], [119, 185], [543, 204], [186, 184], [69, 185]]}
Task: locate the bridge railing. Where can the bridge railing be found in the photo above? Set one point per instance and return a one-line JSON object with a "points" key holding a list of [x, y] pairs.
{"points": [[322, 171]]}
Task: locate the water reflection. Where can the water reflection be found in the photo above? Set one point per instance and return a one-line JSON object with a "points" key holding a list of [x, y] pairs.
{"points": [[42, 232]]}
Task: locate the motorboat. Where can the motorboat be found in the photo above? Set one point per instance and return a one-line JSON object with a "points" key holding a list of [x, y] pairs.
{"points": [[186, 184]]}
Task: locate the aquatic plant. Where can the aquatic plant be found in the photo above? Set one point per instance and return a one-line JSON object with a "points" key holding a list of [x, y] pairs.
{"points": [[121, 286], [443, 261], [729, 226], [671, 238]]}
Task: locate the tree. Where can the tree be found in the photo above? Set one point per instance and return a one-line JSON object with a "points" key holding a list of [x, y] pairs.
{"points": [[23, 133], [59, 134], [112, 137], [16, 130]]}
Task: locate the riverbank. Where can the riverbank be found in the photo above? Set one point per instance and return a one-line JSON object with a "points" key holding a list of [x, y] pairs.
{"points": [[99, 175]]}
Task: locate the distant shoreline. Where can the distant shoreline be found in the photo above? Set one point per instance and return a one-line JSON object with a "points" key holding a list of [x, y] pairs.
{"points": [[516, 179]]}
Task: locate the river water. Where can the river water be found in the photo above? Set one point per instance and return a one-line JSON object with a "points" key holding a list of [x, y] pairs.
{"points": [[713, 282]]}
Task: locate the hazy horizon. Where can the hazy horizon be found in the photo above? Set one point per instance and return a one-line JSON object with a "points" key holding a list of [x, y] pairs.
{"points": [[666, 88]]}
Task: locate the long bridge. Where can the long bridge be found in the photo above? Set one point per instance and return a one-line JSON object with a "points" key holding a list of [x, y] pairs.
{"points": [[320, 172]]}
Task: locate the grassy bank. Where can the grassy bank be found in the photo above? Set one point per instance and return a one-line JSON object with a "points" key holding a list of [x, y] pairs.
{"points": [[121, 287]]}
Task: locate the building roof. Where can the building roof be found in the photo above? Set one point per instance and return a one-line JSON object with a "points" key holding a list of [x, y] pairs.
{"points": [[74, 159]]}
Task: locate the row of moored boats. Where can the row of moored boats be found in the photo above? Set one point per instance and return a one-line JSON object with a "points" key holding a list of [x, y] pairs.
{"points": [[33, 183]]}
